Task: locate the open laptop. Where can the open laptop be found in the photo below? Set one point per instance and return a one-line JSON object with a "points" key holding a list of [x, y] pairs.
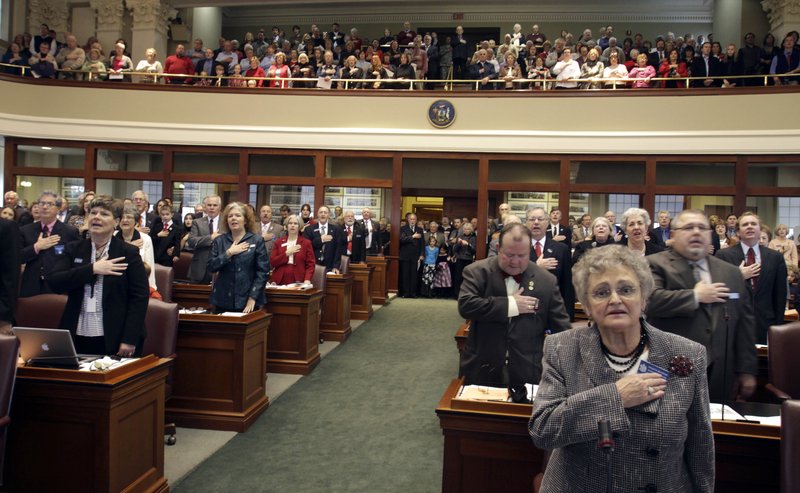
{"points": [[49, 347]]}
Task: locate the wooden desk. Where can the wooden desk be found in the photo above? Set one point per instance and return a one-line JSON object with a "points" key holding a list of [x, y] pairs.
{"points": [[88, 431], [461, 335], [334, 323], [220, 374], [293, 339], [361, 301], [790, 315], [379, 283], [487, 448], [191, 295]]}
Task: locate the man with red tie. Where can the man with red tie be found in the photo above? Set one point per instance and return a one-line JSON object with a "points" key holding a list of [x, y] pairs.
{"points": [[353, 240], [551, 255], [512, 302], [270, 230]]}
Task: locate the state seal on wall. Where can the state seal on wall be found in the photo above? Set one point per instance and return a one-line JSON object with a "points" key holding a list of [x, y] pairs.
{"points": [[442, 114]]}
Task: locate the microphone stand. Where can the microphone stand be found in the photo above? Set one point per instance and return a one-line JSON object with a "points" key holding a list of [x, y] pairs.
{"points": [[606, 444]]}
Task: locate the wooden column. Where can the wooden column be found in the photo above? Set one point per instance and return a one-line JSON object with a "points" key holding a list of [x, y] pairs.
{"points": [[336, 312], [361, 301]]}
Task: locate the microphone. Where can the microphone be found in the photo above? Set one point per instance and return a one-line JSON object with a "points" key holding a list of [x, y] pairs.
{"points": [[605, 441]]}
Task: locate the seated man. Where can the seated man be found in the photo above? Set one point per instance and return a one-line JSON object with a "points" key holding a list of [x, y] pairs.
{"points": [[483, 71], [43, 64]]}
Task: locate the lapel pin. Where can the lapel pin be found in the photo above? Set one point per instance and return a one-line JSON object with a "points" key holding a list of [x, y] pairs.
{"points": [[530, 285]]}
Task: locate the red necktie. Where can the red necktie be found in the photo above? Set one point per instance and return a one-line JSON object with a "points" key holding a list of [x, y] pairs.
{"points": [[538, 249], [751, 259], [349, 239], [166, 227], [517, 277]]}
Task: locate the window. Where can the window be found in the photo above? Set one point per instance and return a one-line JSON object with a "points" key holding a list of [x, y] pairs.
{"points": [[671, 203], [619, 203]]}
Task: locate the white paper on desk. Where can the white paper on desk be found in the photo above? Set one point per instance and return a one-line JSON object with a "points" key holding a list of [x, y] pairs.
{"points": [[730, 414], [233, 314], [761, 346], [483, 393], [765, 420], [323, 84], [104, 364]]}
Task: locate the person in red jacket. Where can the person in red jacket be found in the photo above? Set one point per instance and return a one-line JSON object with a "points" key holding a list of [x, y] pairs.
{"points": [[292, 256], [179, 64]]}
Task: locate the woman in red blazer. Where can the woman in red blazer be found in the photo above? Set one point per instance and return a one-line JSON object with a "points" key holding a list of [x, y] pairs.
{"points": [[292, 256]]}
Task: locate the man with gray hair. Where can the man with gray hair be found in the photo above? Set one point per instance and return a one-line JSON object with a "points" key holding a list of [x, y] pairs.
{"points": [[42, 245], [142, 204], [21, 214], [204, 231]]}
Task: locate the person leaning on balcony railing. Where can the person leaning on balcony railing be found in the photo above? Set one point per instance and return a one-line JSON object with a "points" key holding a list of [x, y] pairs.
{"points": [[482, 71], [94, 68], [352, 73], [14, 57], [237, 78], [119, 65], [378, 73], [708, 66], [279, 70], [673, 68], [151, 66], [787, 61], [303, 69], [642, 72], [405, 72], [329, 70], [43, 64], [510, 71], [593, 69], [615, 70], [566, 70], [731, 67], [179, 63], [71, 57]]}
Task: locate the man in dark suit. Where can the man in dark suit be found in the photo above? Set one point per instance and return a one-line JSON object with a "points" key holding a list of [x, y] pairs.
{"points": [[658, 55], [326, 238], [353, 240], [703, 298], [21, 214], [706, 65], [372, 237], [270, 230], [9, 273], [616, 230], [497, 223], [482, 71], [660, 235], [512, 302], [412, 252], [42, 245], [551, 256], [204, 231], [764, 271], [461, 54], [556, 231], [143, 205], [108, 317]]}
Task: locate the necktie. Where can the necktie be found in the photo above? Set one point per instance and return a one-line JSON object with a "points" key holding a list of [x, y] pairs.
{"points": [[698, 276], [789, 61], [751, 259], [538, 249], [166, 227], [323, 230], [349, 239], [45, 231], [665, 234], [211, 225], [517, 277]]}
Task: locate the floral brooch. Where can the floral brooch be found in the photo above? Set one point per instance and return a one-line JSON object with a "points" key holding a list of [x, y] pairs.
{"points": [[681, 366]]}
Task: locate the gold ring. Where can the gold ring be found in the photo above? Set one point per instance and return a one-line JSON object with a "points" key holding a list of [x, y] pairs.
{"points": [[650, 390]]}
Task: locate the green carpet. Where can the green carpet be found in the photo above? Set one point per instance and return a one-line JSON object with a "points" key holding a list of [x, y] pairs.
{"points": [[363, 420]]}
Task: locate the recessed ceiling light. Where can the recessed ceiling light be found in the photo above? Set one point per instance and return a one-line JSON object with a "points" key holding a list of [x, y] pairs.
{"points": [[47, 148]]}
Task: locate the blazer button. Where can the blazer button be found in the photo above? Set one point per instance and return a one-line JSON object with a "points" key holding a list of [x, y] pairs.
{"points": [[652, 452]]}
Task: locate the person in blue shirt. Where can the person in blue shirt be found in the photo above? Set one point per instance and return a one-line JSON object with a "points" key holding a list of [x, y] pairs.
{"points": [[429, 269]]}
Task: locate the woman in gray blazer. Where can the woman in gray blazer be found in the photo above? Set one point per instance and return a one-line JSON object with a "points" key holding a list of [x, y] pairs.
{"points": [[649, 385]]}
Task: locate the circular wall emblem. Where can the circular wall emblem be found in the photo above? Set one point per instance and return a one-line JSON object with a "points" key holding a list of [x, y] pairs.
{"points": [[442, 114]]}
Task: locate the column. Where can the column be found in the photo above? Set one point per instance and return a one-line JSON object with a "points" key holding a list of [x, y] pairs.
{"points": [[783, 16], [150, 23], [728, 22], [54, 13], [109, 22], [207, 25]]}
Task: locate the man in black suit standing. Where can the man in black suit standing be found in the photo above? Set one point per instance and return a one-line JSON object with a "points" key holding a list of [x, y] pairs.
{"points": [[9, 273], [42, 245], [660, 235], [326, 238], [556, 231], [353, 239], [706, 65], [764, 271], [372, 237], [551, 256], [64, 210], [412, 252], [21, 214], [143, 205]]}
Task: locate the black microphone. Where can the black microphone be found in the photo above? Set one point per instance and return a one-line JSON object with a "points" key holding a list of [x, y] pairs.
{"points": [[605, 441]]}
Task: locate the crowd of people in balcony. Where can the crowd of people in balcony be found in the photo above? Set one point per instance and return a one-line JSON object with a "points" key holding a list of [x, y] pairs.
{"points": [[346, 60]]}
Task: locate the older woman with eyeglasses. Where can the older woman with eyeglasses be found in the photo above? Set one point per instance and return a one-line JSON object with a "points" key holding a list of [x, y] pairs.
{"points": [[647, 388]]}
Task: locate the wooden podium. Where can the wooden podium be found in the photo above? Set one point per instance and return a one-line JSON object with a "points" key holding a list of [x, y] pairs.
{"points": [[220, 374], [379, 283], [334, 324], [487, 448], [191, 295], [76, 431], [363, 278], [293, 345]]}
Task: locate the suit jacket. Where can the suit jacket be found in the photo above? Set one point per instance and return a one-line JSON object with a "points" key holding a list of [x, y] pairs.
{"points": [[563, 271], [562, 230], [411, 249], [657, 236], [667, 442], [162, 243], [150, 219], [9, 269], [329, 253], [199, 244], [125, 297], [578, 236], [672, 308], [358, 243], [38, 266], [488, 71], [484, 300], [23, 216], [301, 270], [277, 230], [699, 70], [375, 246], [587, 245], [769, 295]]}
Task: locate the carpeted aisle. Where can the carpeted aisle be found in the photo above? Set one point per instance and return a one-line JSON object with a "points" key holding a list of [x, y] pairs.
{"points": [[363, 420]]}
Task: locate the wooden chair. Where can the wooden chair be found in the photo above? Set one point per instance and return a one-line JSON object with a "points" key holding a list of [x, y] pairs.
{"points": [[161, 324], [9, 349], [790, 446], [165, 276], [784, 365], [42, 311]]}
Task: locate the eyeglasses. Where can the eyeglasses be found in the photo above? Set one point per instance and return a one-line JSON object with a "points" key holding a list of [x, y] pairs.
{"points": [[604, 293], [692, 227], [533, 219], [42, 203]]}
